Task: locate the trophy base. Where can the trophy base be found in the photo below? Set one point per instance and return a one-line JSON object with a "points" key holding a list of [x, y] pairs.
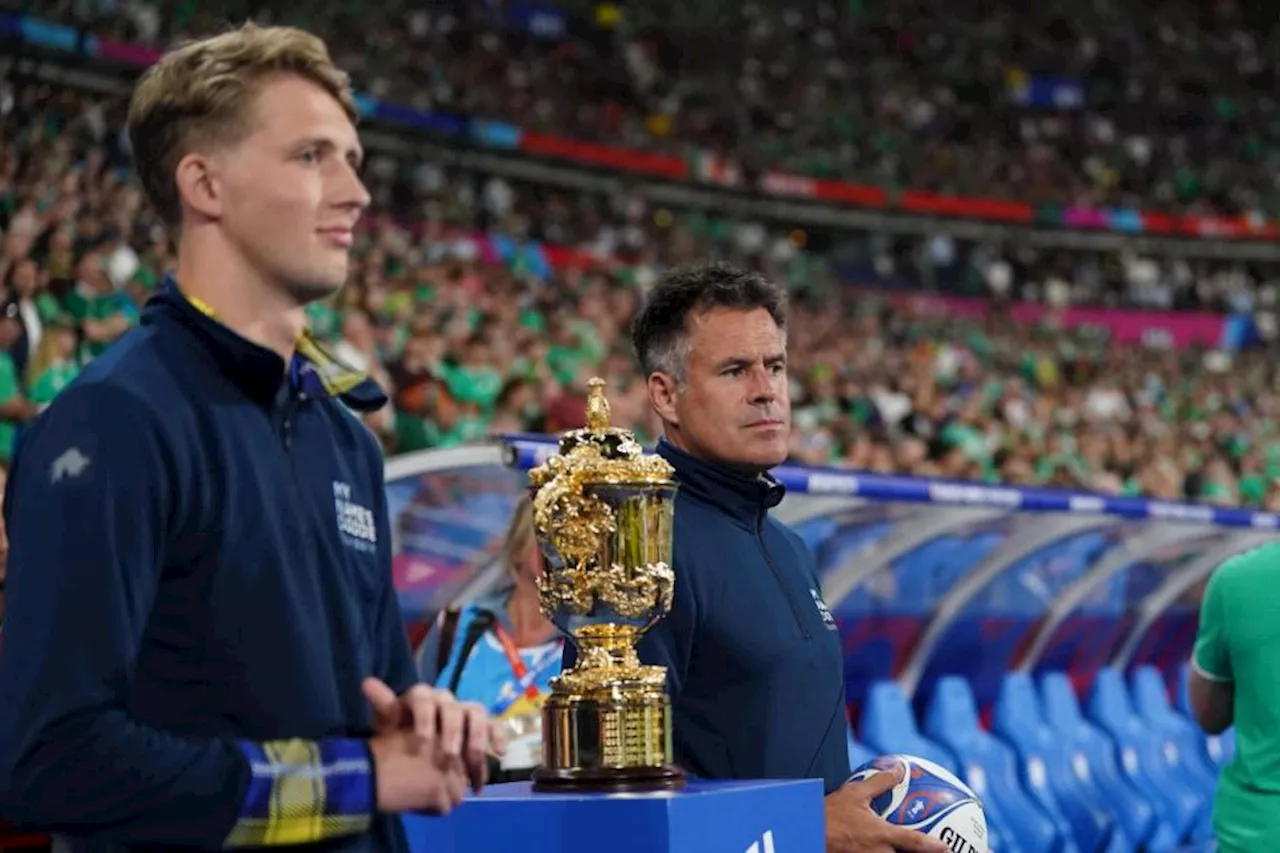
{"points": [[612, 733], [602, 780]]}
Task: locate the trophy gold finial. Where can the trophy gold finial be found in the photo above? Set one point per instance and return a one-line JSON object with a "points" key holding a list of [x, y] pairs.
{"points": [[598, 415]]}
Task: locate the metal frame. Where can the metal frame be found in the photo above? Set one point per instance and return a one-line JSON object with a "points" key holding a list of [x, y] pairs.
{"points": [[797, 509], [918, 525], [925, 522], [487, 572], [1132, 550], [1149, 610], [439, 458], [1029, 539]]}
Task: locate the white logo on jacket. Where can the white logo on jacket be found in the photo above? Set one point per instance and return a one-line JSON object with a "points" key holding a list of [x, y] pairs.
{"points": [[827, 618], [355, 522], [70, 464]]}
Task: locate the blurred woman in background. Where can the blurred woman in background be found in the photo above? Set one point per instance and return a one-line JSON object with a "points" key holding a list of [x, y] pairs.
{"points": [[53, 365], [501, 651]]}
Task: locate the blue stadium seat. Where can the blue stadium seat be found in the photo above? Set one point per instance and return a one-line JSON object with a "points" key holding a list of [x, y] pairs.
{"points": [[1184, 690], [888, 726], [1220, 749], [1143, 823], [990, 768], [1151, 699], [1142, 756], [1049, 761], [860, 754]]}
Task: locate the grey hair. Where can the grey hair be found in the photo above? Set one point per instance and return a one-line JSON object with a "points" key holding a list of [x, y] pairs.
{"points": [[670, 357]]}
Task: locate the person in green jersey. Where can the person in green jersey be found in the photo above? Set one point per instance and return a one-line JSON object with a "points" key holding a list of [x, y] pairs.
{"points": [[15, 408], [53, 366], [103, 312], [1235, 680]]}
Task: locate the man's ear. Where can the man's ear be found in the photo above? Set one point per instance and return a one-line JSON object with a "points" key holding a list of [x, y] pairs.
{"points": [[663, 390], [198, 186]]}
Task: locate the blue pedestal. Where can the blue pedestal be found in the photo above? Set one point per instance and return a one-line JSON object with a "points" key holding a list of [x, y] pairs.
{"points": [[706, 817]]}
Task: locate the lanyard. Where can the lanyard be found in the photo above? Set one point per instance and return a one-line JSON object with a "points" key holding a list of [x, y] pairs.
{"points": [[518, 667], [526, 677]]}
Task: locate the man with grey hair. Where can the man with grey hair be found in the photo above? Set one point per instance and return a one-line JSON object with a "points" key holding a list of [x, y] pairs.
{"points": [[754, 664]]}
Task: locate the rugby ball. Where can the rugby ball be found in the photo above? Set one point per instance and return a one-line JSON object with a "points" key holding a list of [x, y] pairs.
{"points": [[929, 799]]}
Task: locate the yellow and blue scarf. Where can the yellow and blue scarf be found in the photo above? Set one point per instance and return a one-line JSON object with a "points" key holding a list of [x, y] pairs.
{"points": [[314, 370]]}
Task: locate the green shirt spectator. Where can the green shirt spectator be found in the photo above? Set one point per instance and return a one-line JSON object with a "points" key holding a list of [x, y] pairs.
{"points": [[1236, 653], [477, 384], [51, 380], [103, 317], [10, 394]]}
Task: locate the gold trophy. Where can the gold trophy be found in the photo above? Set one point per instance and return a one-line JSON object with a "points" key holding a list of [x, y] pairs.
{"points": [[602, 513]]}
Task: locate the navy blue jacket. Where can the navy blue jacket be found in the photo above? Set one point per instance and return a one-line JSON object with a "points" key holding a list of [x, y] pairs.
{"points": [[754, 664], [199, 579]]}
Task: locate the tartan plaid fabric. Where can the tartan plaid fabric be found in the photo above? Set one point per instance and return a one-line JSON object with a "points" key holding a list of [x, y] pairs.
{"points": [[320, 372], [304, 791]]}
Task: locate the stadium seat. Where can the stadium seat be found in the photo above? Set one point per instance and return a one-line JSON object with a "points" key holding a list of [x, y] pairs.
{"points": [[1143, 823], [990, 768], [1220, 749], [888, 726], [1049, 762], [1143, 758], [860, 754], [1151, 699]]}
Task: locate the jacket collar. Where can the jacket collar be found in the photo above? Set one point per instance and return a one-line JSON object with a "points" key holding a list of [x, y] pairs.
{"points": [[257, 371], [743, 497]]}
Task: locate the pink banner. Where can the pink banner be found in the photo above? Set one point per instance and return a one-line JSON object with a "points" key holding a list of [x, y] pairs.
{"points": [[1126, 326]]}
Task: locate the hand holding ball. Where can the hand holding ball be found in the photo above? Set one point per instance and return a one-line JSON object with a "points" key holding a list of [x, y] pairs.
{"points": [[930, 800]]}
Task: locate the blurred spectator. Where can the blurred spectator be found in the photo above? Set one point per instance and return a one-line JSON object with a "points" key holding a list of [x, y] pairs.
{"points": [[501, 651], [54, 365], [15, 408]]}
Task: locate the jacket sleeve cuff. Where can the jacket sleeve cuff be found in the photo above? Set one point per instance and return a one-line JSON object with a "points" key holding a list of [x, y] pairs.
{"points": [[304, 791]]}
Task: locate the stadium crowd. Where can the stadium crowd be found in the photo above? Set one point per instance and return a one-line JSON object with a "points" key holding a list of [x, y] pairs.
{"points": [[472, 344], [1096, 103]]}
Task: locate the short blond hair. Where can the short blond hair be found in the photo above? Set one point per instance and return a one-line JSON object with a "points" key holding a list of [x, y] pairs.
{"points": [[519, 535], [200, 94]]}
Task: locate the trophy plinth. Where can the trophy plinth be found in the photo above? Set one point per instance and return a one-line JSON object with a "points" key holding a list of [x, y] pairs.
{"points": [[602, 513]]}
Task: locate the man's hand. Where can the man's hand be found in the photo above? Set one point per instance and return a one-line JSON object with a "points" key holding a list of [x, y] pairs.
{"points": [[460, 730], [853, 828], [413, 776]]}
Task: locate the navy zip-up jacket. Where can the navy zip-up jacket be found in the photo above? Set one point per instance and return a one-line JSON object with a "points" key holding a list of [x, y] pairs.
{"points": [[754, 664], [199, 580]]}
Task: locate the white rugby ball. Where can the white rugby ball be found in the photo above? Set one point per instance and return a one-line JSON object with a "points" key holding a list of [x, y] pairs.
{"points": [[929, 799]]}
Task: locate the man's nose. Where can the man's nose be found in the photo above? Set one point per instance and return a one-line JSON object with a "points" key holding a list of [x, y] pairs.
{"points": [[353, 192], [763, 387]]}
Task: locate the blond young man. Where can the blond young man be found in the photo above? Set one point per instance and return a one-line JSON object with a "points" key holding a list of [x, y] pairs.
{"points": [[204, 648]]}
